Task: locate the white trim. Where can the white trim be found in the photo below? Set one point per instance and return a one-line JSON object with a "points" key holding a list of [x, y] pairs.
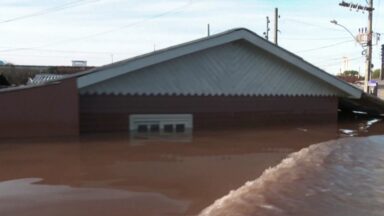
{"points": [[160, 119], [123, 67]]}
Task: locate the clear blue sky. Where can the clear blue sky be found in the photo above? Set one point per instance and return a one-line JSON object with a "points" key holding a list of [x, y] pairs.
{"points": [[54, 32]]}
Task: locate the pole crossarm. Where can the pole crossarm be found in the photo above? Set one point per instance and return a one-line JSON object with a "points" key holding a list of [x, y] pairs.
{"points": [[356, 6], [368, 53]]}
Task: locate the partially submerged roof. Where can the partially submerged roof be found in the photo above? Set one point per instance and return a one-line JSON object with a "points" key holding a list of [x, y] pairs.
{"points": [[206, 66], [39, 79]]}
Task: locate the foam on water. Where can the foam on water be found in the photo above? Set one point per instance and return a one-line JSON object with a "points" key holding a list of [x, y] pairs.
{"points": [[341, 177]]}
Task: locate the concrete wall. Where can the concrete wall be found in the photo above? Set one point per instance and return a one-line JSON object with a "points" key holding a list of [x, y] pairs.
{"points": [[109, 113], [50, 110]]}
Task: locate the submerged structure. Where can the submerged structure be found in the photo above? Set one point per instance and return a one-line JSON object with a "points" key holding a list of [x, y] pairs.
{"points": [[232, 79]]}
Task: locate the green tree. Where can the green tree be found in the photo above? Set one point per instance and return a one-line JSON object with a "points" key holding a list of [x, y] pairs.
{"points": [[350, 73], [376, 74]]}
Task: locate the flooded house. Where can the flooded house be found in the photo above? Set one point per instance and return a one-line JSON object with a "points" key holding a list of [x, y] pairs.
{"points": [[228, 80]]}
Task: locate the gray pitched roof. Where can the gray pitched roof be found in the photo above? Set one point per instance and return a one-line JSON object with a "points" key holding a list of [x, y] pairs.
{"points": [[109, 72]]}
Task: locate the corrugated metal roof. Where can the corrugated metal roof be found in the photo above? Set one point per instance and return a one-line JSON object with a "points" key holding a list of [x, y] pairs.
{"points": [[118, 78], [236, 68], [44, 78]]}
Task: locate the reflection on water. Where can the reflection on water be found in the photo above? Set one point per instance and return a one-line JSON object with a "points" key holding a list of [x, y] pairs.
{"points": [[113, 175], [26, 197], [362, 127], [341, 177]]}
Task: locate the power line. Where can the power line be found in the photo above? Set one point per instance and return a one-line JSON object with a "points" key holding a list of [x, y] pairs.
{"points": [[336, 60], [333, 64], [309, 24], [326, 46], [308, 39], [330, 56], [50, 10], [174, 10], [76, 51], [106, 56]]}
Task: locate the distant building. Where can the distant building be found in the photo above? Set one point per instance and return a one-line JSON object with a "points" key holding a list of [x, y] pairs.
{"points": [[79, 63], [228, 80], [20, 74], [350, 79], [380, 89], [39, 79]]}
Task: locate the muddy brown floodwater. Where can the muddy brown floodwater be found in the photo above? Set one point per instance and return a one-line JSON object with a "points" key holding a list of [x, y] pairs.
{"points": [[116, 175]]}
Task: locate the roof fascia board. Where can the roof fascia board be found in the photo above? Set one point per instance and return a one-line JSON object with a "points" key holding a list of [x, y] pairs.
{"points": [[136, 64]]}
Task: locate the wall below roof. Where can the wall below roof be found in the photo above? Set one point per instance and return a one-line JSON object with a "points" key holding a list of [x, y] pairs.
{"points": [[45, 111], [107, 113]]}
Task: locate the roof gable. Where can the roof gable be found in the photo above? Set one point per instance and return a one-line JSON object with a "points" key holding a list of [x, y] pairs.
{"points": [[329, 84]]}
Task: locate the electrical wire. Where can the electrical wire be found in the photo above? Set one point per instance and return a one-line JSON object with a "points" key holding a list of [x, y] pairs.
{"points": [[174, 10], [50, 10], [314, 39], [329, 60], [324, 47], [57, 56], [333, 64], [309, 24], [76, 51]]}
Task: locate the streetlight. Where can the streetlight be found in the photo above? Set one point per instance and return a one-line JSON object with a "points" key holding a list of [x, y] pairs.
{"points": [[364, 52], [350, 33]]}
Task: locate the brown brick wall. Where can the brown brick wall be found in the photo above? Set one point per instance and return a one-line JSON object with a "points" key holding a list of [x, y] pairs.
{"points": [[108, 113], [50, 110]]}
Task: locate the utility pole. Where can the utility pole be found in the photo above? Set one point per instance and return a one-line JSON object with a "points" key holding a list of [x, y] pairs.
{"points": [[276, 24], [369, 8], [382, 63], [369, 51], [266, 33]]}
